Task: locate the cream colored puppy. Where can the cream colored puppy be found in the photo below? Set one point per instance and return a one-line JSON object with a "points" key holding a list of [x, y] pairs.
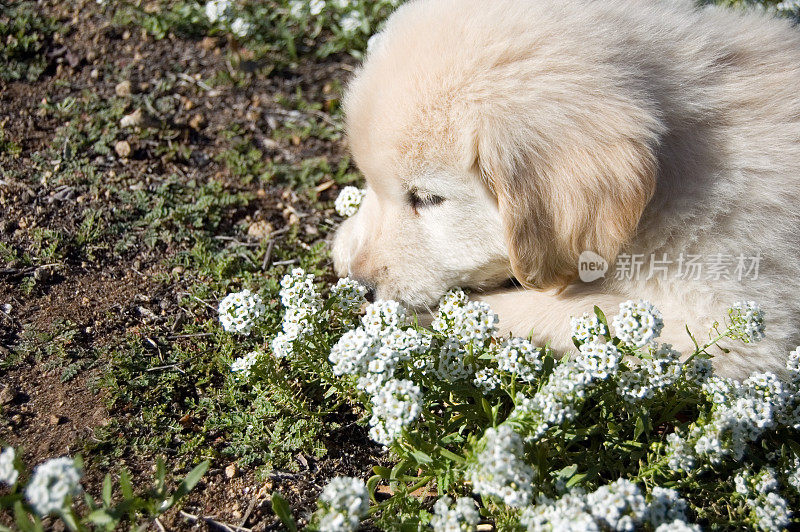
{"points": [[503, 138]]}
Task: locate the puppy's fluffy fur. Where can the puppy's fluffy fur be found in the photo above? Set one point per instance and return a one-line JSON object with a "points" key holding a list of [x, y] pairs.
{"points": [[502, 138]]}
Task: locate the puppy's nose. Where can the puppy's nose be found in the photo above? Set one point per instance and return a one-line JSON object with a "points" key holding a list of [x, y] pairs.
{"points": [[370, 294]]}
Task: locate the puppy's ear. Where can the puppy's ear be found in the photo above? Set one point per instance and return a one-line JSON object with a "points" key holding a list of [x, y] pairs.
{"points": [[578, 190]]}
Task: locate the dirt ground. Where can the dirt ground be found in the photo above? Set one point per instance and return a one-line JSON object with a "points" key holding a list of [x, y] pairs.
{"points": [[112, 293]]}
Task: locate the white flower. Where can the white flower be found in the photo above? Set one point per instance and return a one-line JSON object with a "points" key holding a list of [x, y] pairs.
{"points": [[349, 24], [239, 311], [487, 379], [382, 316], [461, 517], [349, 294], [678, 525], [587, 328], [520, 357], [665, 506], [788, 6], [350, 198], [464, 320], [772, 512], [240, 27], [638, 323], [315, 7], [451, 367], [747, 320], [680, 453], [342, 4], [217, 10], [297, 290], [599, 360], [500, 470], [51, 483], [397, 404], [344, 502], [620, 505], [8, 472], [243, 364], [296, 9], [351, 354]]}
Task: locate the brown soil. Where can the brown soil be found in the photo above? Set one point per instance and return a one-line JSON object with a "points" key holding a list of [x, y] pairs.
{"points": [[104, 298]]}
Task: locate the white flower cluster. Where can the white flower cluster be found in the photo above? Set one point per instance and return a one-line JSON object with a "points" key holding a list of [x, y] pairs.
{"points": [[771, 511], [349, 200], [638, 323], [239, 311], [567, 514], [451, 366], [619, 505], [500, 470], [520, 357], [557, 402], [463, 517], [464, 320], [395, 406], [665, 506], [739, 414], [242, 365], [344, 502], [349, 294], [588, 328], [792, 473], [51, 483], [788, 6], [302, 303], [599, 360], [221, 11], [8, 471], [616, 506], [373, 351], [487, 379], [747, 319], [657, 373]]}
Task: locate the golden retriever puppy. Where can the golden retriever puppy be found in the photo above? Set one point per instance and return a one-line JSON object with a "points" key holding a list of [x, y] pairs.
{"points": [[520, 139]]}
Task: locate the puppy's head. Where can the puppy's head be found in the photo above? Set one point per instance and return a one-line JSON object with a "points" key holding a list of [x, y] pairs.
{"points": [[488, 154]]}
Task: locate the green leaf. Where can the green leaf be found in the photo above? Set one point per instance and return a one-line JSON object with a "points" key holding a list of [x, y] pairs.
{"points": [[421, 457], [101, 518], [372, 485], [107, 490], [161, 473], [383, 472], [281, 509], [451, 456], [125, 485], [190, 481], [23, 520]]}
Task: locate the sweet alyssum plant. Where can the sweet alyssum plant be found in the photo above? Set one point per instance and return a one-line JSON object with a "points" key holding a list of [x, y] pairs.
{"points": [[53, 492], [624, 433]]}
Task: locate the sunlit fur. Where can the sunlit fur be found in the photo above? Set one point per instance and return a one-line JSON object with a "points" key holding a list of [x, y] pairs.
{"points": [[556, 126]]}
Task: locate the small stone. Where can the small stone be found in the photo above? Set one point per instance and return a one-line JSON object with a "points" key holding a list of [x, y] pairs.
{"points": [[260, 229], [208, 43], [56, 420], [178, 270], [133, 119], [94, 74], [196, 121], [123, 89], [230, 471], [122, 148], [7, 395]]}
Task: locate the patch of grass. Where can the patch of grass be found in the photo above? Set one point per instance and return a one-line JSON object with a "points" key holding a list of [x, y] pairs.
{"points": [[25, 35], [60, 347]]}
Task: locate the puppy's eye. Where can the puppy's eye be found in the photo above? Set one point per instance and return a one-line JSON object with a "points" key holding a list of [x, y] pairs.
{"points": [[419, 201]]}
